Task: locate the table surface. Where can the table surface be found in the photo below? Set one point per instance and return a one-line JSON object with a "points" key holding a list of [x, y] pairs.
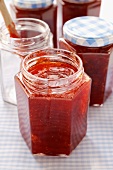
{"points": [[95, 151]]}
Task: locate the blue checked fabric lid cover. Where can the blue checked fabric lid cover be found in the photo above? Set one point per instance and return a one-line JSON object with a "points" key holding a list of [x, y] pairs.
{"points": [[32, 4], [79, 1], [88, 31]]}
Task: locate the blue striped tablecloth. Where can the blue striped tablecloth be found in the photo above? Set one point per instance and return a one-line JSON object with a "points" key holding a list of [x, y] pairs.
{"points": [[95, 152]]}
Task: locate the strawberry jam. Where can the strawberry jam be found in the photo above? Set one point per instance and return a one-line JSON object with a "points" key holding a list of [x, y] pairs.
{"points": [[52, 98], [91, 38], [89, 8]]}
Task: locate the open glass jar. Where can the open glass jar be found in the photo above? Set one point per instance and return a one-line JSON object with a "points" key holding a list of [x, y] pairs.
{"points": [[34, 34], [45, 10], [52, 98], [92, 39]]}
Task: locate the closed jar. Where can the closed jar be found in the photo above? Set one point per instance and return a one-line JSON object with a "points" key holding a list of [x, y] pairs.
{"points": [[52, 99], [45, 10], [34, 34], [92, 39], [77, 8]]}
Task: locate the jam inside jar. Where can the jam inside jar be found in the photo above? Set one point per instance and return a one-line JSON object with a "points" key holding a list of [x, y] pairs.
{"points": [[80, 8], [43, 10], [52, 98], [95, 48]]}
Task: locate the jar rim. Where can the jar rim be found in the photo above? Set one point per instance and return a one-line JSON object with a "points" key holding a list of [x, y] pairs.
{"points": [[80, 69], [30, 20]]}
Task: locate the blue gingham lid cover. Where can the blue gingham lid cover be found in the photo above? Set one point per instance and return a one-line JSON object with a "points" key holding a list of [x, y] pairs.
{"points": [[32, 4], [88, 31]]}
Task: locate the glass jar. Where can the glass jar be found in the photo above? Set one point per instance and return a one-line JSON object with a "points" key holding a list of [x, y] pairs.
{"points": [[52, 99], [92, 39], [80, 8], [45, 10], [34, 34]]}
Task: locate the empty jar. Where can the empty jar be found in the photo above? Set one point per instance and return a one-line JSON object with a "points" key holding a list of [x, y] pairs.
{"points": [[34, 34], [92, 39], [52, 99]]}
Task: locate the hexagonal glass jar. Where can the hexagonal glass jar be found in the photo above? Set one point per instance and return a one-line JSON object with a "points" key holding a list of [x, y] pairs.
{"points": [[52, 97], [80, 8], [92, 39]]}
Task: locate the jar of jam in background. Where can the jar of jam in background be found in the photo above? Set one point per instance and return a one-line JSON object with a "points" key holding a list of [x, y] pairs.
{"points": [[77, 8], [34, 34], [92, 39], [52, 98], [45, 10]]}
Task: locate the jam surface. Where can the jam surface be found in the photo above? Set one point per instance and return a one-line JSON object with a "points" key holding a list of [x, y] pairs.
{"points": [[52, 70], [51, 124], [97, 64], [80, 9]]}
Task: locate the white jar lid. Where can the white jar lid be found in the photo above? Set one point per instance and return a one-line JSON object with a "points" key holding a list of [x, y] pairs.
{"points": [[32, 4], [88, 31]]}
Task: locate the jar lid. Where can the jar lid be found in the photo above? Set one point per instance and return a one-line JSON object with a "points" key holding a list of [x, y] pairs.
{"points": [[88, 31], [32, 4], [79, 1]]}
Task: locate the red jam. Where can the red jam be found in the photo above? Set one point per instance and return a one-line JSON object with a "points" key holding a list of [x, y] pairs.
{"points": [[52, 123], [97, 64], [12, 31], [80, 9], [48, 15]]}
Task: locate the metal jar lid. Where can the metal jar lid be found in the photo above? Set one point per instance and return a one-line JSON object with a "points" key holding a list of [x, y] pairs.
{"points": [[32, 4], [88, 31]]}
